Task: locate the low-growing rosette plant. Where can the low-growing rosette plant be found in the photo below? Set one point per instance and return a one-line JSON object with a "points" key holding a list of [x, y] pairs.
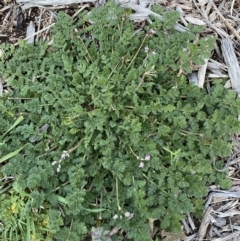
{"points": [[111, 133]]}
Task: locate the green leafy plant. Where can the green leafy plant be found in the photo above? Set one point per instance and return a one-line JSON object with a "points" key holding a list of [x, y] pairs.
{"points": [[111, 134]]}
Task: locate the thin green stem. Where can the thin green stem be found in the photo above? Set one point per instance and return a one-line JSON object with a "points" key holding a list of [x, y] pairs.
{"points": [[119, 208], [137, 51]]}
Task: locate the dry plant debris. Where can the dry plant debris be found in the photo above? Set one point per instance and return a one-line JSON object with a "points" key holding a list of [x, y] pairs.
{"points": [[31, 20]]}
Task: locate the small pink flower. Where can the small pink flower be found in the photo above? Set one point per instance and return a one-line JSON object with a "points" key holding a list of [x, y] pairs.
{"points": [[64, 155], [147, 158], [152, 31], [141, 165], [129, 215], [146, 49]]}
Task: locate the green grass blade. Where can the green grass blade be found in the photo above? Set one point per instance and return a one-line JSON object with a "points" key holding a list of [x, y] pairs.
{"points": [[96, 210], [6, 188], [28, 229], [33, 229], [62, 199], [19, 119], [11, 154]]}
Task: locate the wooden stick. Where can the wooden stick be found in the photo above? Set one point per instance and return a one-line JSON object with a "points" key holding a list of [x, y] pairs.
{"points": [[204, 224]]}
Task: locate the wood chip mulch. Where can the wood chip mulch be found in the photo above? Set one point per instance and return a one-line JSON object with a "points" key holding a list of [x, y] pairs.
{"points": [[32, 20]]}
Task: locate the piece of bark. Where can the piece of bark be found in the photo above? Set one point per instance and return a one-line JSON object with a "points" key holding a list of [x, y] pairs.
{"points": [[146, 11], [186, 227], [192, 237], [53, 2], [228, 237], [202, 74], [191, 222], [215, 69], [204, 224], [40, 3], [195, 21], [30, 33], [193, 78], [232, 64], [138, 17], [228, 213]]}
